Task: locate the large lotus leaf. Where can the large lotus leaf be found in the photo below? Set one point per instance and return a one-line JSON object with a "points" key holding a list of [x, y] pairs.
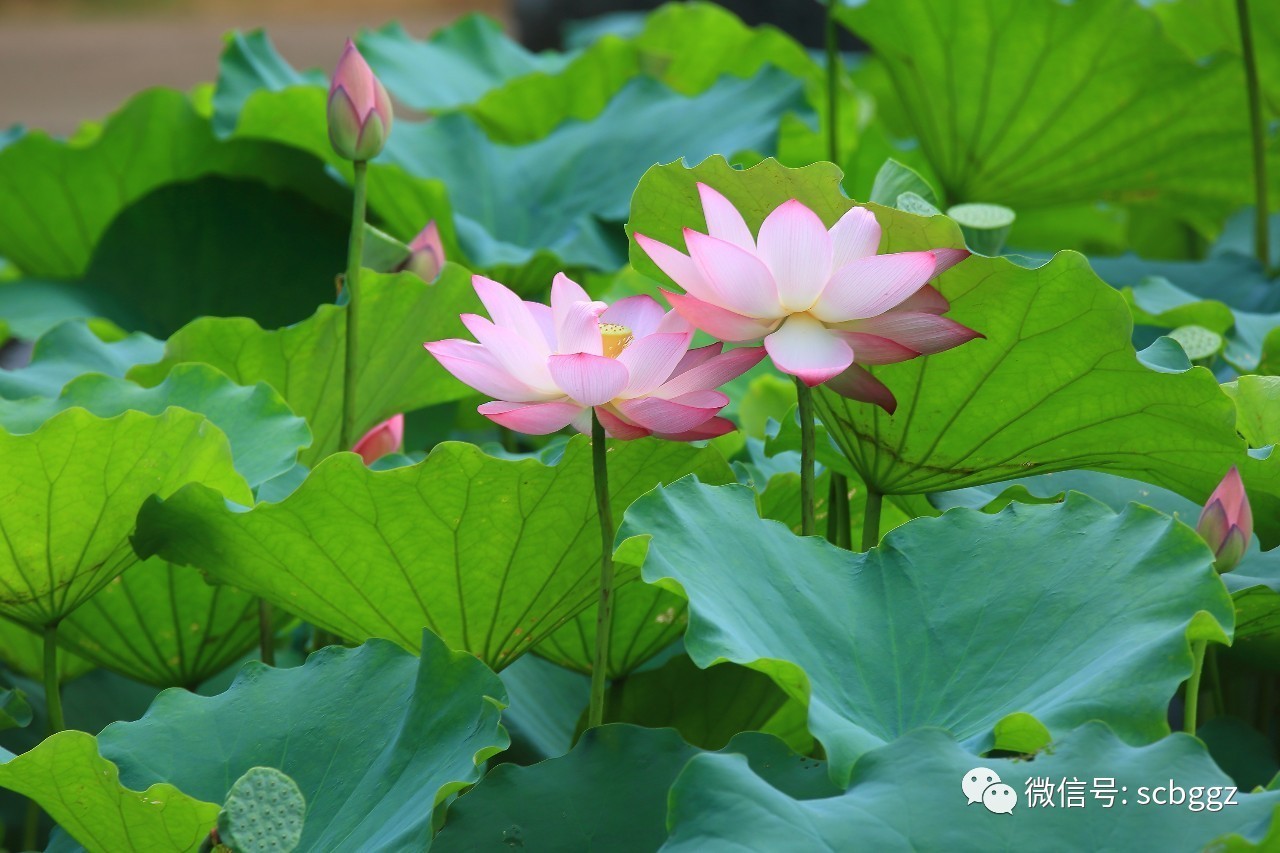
{"points": [[58, 198], [1065, 612], [1207, 27], [907, 796], [490, 554], [457, 65], [164, 625], [646, 620], [264, 434], [70, 349], [304, 362], [708, 707], [81, 791], [1055, 385], [608, 793], [373, 736], [249, 62], [70, 493], [515, 204], [686, 46], [221, 238], [1095, 103]]}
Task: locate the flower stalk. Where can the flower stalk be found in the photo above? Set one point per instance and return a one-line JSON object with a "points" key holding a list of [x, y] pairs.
{"points": [[355, 250], [833, 85], [804, 397], [1261, 242], [604, 614], [52, 688], [266, 633], [871, 519], [1191, 702]]}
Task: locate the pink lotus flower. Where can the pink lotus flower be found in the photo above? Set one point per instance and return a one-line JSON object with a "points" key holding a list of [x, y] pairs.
{"points": [[359, 108], [549, 367], [386, 437], [426, 253], [823, 300], [1227, 522]]}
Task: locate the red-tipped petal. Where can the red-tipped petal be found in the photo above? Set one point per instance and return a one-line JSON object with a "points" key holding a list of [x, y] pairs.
{"points": [[718, 322], [914, 330], [669, 416], [650, 361], [724, 222], [713, 428], [740, 280], [531, 418], [678, 266], [712, 372], [386, 437], [805, 348], [618, 427], [795, 246], [855, 236], [873, 285], [926, 300], [948, 258], [857, 383], [591, 380], [641, 314], [473, 365]]}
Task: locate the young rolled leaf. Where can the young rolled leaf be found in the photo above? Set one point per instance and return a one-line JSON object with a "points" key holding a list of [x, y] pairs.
{"points": [[1067, 612], [70, 494], [490, 554], [373, 737]]}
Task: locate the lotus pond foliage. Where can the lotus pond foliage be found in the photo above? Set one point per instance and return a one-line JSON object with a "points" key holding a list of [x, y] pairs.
{"points": [[689, 440]]}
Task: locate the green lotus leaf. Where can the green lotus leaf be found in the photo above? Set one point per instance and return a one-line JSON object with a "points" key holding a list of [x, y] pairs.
{"points": [[88, 180], [264, 434], [708, 707], [72, 348], [1055, 384], [164, 625], [609, 792], [373, 737], [646, 620], [517, 206], [249, 62], [1065, 612], [1104, 108], [490, 554], [456, 66], [304, 362], [546, 701], [907, 796], [82, 791], [70, 494]]}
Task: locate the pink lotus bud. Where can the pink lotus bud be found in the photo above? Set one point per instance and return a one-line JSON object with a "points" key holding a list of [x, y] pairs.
{"points": [[359, 108], [386, 437], [426, 253], [1227, 522]]}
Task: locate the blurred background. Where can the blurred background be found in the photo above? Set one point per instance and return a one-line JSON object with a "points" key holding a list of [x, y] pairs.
{"points": [[67, 60]]}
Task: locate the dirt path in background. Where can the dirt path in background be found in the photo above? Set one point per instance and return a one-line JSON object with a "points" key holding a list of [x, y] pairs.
{"points": [[65, 63]]}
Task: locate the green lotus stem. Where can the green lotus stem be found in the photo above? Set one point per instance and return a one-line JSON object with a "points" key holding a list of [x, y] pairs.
{"points": [[604, 614], [833, 519], [355, 252], [266, 633], [804, 397], [871, 519], [844, 535], [52, 690], [31, 826], [1215, 680], [833, 85], [1192, 698], [1260, 240]]}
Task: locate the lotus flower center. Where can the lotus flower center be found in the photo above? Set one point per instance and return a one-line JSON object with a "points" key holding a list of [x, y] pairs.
{"points": [[614, 339]]}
